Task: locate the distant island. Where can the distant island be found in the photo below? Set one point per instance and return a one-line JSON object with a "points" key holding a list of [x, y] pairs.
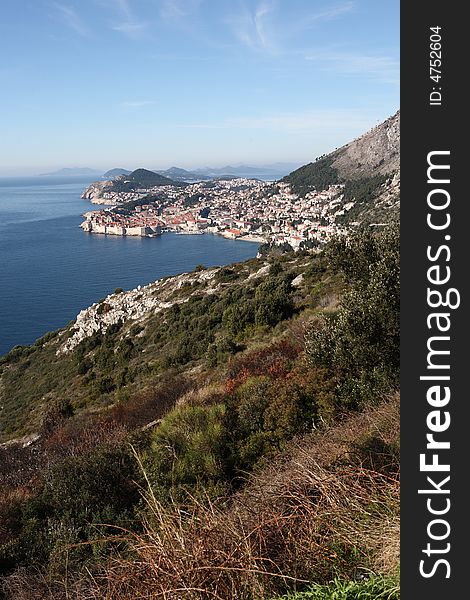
{"points": [[71, 172], [269, 172]]}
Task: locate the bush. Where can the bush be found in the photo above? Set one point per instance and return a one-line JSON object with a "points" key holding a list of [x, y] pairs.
{"points": [[264, 413], [361, 345], [77, 494], [55, 415], [273, 301], [237, 317], [188, 450]]}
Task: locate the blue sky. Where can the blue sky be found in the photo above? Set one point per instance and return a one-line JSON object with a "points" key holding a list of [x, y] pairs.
{"points": [[156, 83]]}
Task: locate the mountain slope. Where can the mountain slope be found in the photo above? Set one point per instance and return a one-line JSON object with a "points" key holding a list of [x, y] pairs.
{"points": [[140, 178], [377, 152], [146, 178], [204, 378], [368, 168]]}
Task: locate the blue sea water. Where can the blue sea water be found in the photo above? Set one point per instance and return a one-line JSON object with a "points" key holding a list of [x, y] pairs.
{"points": [[50, 269]]}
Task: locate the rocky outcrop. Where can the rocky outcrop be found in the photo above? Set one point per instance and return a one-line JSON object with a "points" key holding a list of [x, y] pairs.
{"points": [[96, 191], [139, 304], [134, 305]]}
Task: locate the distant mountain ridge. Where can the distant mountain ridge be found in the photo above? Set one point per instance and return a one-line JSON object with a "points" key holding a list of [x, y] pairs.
{"points": [[182, 175], [271, 171]]}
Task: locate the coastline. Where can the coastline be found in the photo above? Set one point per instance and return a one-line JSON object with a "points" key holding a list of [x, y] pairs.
{"points": [[53, 271], [122, 232]]}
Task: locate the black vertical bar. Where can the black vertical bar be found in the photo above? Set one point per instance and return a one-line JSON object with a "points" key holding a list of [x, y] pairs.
{"points": [[433, 119]]}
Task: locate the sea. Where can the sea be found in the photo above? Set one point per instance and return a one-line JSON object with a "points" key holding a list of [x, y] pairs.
{"points": [[50, 269]]}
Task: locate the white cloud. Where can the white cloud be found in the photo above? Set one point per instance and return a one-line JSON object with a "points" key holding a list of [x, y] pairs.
{"points": [[178, 9], [125, 21], [251, 28], [138, 103], [259, 28], [328, 14], [72, 19], [131, 29]]}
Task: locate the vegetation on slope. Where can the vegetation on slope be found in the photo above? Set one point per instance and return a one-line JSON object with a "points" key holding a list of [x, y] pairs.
{"points": [[318, 175], [145, 178], [210, 454], [201, 332], [364, 192]]}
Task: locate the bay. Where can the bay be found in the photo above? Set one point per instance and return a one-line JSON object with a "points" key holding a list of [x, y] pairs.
{"points": [[50, 269]]}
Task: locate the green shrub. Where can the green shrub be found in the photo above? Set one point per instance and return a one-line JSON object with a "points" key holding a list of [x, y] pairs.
{"points": [[264, 413], [361, 344], [188, 450], [78, 496], [237, 317], [273, 301], [318, 175]]}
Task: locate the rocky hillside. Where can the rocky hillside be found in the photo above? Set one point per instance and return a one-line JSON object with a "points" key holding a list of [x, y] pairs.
{"points": [[368, 168], [377, 152], [125, 340], [129, 436], [135, 305]]}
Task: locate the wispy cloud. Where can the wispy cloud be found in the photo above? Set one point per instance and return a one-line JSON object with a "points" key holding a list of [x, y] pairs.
{"points": [[125, 21], [131, 29], [72, 19], [302, 122], [381, 68], [177, 9], [251, 27], [261, 29], [137, 103], [333, 12]]}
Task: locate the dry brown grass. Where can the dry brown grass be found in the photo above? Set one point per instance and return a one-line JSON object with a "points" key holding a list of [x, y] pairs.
{"points": [[328, 507]]}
